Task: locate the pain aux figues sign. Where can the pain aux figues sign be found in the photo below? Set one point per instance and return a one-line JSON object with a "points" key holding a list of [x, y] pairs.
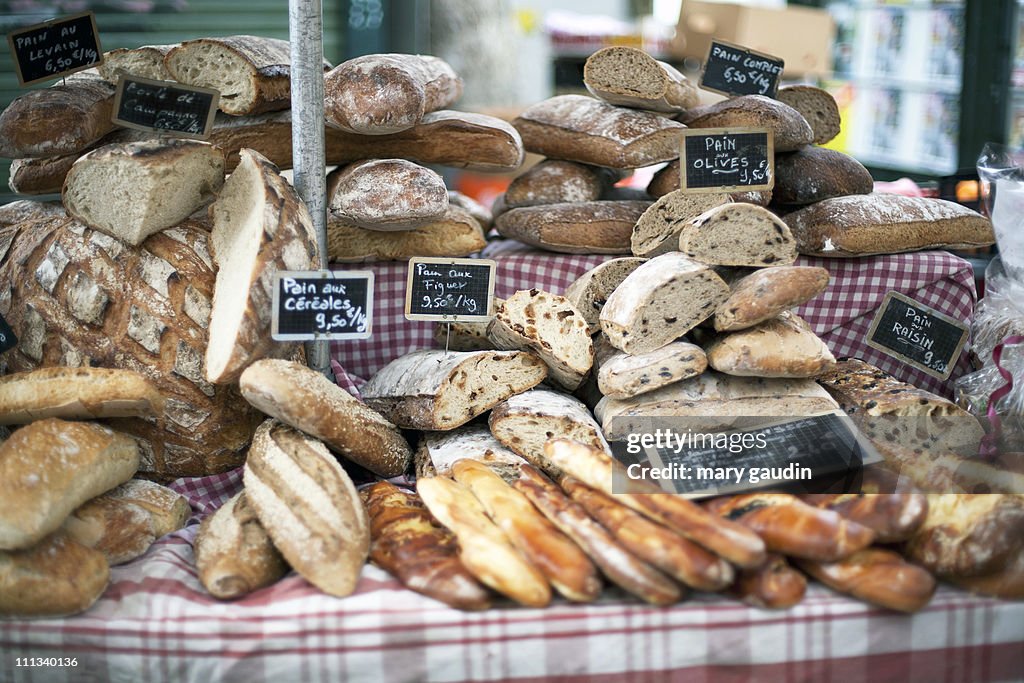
{"points": [[449, 289], [735, 70], [917, 335], [323, 304], [722, 160], [165, 107], [55, 48]]}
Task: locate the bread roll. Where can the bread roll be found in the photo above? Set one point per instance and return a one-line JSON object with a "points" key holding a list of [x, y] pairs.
{"points": [[738, 234], [54, 578], [600, 227], [146, 61], [773, 585], [766, 293], [657, 230], [632, 78], [784, 346], [456, 234], [790, 131], [818, 108], [387, 194], [76, 393], [589, 292]]}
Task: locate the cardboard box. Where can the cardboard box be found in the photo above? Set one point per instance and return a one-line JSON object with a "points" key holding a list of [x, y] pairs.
{"points": [[802, 36]]}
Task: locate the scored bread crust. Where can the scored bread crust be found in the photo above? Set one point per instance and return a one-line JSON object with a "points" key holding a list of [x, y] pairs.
{"points": [[26, 210], [309, 507], [589, 292], [386, 194], [739, 234], [766, 293], [598, 227], [629, 77], [308, 401], [784, 346], [146, 61], [56, 577], [455, 234], [657, 230], [260, 227], [434, 390], [790, 131]]}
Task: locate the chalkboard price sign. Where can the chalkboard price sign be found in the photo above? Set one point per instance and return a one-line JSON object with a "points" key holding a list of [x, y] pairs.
{"points": [[322, 305], [7, 339], [720, 159], [449, 289], [55, 48], [735, 70], [165, 106], [917, 335]]}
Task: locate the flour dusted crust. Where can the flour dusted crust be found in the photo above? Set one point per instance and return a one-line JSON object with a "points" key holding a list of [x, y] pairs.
{"points": [[387, 194], [598, 227], [56, 577], [784, 346], [789, 128], [589, 292], [630, 77], [554, 181]]}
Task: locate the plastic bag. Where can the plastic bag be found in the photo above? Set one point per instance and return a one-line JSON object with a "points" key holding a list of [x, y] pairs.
{"points": [[1001, 171]]}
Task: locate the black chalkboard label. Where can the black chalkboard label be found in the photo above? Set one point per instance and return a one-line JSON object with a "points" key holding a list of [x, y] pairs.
{"points": [[321, 304], [720, 159], [735, 70], [917, 335], [7, 338], [449, 289], [165, 106], [810, 454], [55, 48]]}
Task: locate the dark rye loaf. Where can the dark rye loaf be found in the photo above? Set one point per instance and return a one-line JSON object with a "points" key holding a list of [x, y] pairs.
{"points": [[791, 131], [813, 174]]}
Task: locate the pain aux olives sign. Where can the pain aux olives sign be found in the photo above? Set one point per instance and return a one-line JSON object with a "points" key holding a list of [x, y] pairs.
{"points": [[720, 160], [324, 304]]}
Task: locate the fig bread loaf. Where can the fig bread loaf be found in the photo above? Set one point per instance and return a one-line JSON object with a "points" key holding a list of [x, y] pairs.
{"points": [[624, 375]]}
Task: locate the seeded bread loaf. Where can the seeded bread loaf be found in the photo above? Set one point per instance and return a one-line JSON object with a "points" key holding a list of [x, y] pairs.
{"points": [[790, 131], [589, 291], [657, 230], [861, 225], [630, 77], [601, 227], [660, 301], [783, 346], [135, 189], [738, 234], [146, 61], [54, 578], [386, 194], [585, 129], [818, 108], [624, 375], [766, 293], [456, 234], [548, 325], [76, 393], [434, 390], [388, 93], [553, 181], [813, 174]]}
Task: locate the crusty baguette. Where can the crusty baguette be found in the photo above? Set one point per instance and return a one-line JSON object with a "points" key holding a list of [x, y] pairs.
{"points": [[619, 565], [310, 402], [894, 517], [55, 577], [483, 548], [407, 543], [881, 577], [657, 230], [309, 507], [589, 292], [76, 393], [792, 527], [560, 560], [728, 539], [49, 468], [630, 77], [146, 61], [766, 293], [455, 234], [773, 585], [260, 226], [386, 194], [670, 552], [380, 94], [234, 553]]}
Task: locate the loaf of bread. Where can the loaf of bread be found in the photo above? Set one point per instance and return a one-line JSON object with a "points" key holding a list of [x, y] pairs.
{"points": [[251, 73], [814, 174], [473, 441], [773, 585], [588, 130], [456, 234], [407, 543], [309, 507], [308, 401], [76, 393], [387, 194], [880, 577], [623, 375], [1006, 582], [63, 119], [388, 93], [766, 293], [601, 227], [589, 291], [553, 181], [790, 131], [146, 61], [49, 468], [260, 227], [866, 224], [660, 301], [56, 577], [657, 230], [894, 517], [630, 77], [483, 215], [26, 210], [818, 108], [784, 346], [234, 553], [548, 325], [738, 234], [135, 189], [667, 180], [434, 390]]}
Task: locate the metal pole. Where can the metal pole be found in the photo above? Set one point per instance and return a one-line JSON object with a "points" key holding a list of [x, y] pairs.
{"points": [[305, 33]]}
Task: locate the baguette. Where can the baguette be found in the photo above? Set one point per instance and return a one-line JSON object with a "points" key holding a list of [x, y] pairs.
{"points": [[599, 227], [49, 468], [456, 234], [589, 292], [560, 560], [54, 578], [773, 585], [386, 194], [880, 577], [76, 393], [894, 517], [309, 507], [657, 230], [630, 77], [234, 553], [410, 545]]}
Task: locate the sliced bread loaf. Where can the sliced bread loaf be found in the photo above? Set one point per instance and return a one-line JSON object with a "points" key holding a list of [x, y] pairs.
{"points": [[146, 61], [630, 77], [624, 375], [657, 230], [589, 291], [766, 293], [784, 346], [738, 234]]}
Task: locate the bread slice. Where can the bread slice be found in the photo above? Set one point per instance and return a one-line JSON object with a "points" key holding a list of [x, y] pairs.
{"points": [[623, 375], [550, 326], [589, 291], [630, 77], [77, 393], [251, 73], [813, 174], [309, 507], [766, 293], [260, 226], [474, 442], [600, 227], [146, 61], [661, 301], [54, 578], [784, 346], [456, 234], [817, 106], [135, 189], [657, 230], [790, 131], [387, 194], [434, 390], [738, 234]]}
